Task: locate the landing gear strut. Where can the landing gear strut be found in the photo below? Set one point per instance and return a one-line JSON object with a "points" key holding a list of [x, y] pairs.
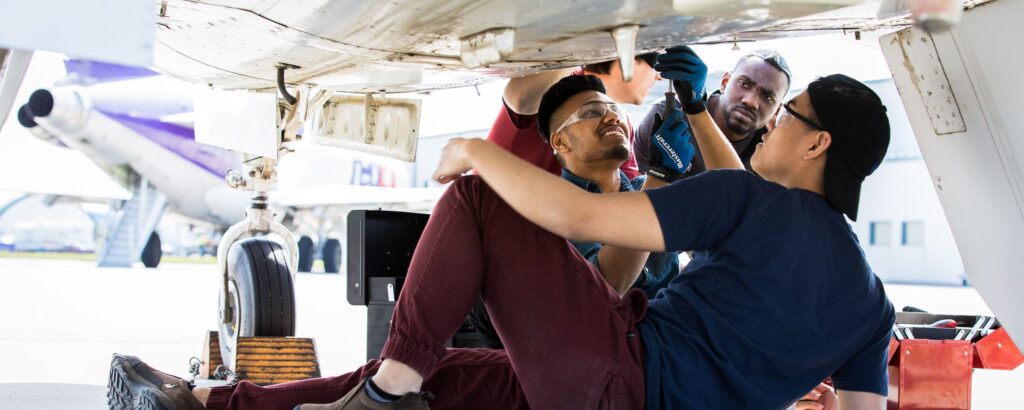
{"points": [[258, 259]]}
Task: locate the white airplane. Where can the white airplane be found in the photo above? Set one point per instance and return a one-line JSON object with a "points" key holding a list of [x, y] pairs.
{"points": [[958, 85], [137, 124]]}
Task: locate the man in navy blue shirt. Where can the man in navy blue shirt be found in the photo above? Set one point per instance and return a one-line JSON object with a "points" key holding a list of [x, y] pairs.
{"points": [[778, 297]]}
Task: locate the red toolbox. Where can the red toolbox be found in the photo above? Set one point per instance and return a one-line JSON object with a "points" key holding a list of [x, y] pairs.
{"points": [[931, 360]]}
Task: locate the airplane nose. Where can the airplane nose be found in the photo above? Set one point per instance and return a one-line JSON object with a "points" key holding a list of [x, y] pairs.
{"points": [[40, 103]]}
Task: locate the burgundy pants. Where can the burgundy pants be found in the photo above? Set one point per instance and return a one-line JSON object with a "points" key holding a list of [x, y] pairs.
{"points": [[571, 341], [482, 377]]}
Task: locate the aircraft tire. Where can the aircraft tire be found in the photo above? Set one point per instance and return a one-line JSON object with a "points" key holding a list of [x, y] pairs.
{"points": [[307, 249], [152, 252], [260, 292], [332, 256]]}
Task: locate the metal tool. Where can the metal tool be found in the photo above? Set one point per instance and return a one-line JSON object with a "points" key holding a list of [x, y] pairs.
{"points": [[670, 100]]}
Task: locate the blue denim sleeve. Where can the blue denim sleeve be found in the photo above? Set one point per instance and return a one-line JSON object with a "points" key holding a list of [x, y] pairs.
{"points": [[658, 271]]}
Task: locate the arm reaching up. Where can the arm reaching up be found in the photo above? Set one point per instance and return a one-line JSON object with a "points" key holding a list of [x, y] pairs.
{"points": [[522, 94], [688, 73], [624, 219]]}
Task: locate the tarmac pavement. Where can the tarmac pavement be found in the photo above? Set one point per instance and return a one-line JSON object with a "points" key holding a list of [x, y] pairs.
{"points": [[60, 322]]}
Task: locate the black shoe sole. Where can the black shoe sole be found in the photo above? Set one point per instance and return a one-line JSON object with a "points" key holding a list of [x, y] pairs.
{"points": [[124, 393]]}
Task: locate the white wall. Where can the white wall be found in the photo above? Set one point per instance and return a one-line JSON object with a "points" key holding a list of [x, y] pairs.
{"points": [[899, 191]]}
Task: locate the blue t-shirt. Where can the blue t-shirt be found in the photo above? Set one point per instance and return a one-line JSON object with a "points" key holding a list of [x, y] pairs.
{"points": [[778, 297]]}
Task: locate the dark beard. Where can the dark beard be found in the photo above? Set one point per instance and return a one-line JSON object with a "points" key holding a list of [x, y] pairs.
{"points": [[617, 153], [738, 128]]}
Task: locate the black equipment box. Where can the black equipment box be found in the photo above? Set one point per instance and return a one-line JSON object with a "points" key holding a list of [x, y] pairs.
{"points": [[380, 246]]}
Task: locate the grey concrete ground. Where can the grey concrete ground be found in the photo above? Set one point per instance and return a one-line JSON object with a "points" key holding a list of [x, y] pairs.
{"points": [[61, 320]]}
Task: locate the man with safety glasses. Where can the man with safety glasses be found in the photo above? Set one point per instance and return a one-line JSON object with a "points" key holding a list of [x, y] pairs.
{"points": [[518, 130], [516, 126], [592, 162], [589, 159]]}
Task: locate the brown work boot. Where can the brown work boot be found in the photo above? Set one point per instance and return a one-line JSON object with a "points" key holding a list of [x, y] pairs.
{"points": [[357, 399], [133, 385]]}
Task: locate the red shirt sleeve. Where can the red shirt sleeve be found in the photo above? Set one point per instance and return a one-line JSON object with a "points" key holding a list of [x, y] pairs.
{"points": [[519, 135]]}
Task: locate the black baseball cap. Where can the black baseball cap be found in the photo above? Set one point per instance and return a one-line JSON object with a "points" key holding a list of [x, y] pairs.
{"points": [[856, 118], [561, 92]]}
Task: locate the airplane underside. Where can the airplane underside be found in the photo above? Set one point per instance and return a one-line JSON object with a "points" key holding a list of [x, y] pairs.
{"points": [[412, 45]]}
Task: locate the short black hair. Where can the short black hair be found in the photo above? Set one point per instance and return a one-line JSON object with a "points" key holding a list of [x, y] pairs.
{"points": [[561, 92], [606, 67], [773, 58]]}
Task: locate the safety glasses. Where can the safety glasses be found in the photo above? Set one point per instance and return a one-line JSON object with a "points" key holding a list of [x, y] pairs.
{"points": [[593, 109], [788, 109]]}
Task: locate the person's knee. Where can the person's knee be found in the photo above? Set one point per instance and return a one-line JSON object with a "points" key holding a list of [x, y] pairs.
{"points": [[469, 187], [468, 182]]}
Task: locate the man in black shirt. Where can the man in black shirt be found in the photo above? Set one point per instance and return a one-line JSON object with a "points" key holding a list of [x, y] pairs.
{"points": [[749, 96]]}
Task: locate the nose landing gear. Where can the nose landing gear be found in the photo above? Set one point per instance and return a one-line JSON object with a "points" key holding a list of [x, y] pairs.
{"points": [[260, 296], [258, 259]]}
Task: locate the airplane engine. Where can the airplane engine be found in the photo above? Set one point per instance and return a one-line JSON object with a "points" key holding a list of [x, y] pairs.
{"points": [[66, 112], [91, 120], [25, 118]]}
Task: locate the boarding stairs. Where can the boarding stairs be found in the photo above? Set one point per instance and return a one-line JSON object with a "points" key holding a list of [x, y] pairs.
{"points": [[129, 227]]}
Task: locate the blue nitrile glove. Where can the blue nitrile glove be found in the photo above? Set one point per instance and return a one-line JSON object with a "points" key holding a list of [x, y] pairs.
{"points": [[688, 73], [671, 150]]}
